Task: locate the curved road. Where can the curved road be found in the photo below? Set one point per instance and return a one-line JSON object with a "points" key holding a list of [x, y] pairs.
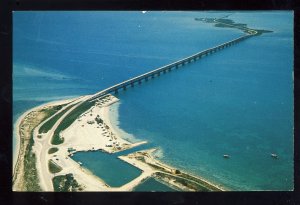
{"points": [[41, 147]]}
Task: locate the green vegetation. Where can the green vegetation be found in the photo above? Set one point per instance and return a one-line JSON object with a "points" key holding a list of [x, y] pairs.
{"points": [[68, 120], [49, 124], [52, 150], [195, 185], [51, 110], [31, 181], [53, 167], [228, 23], [186, 180], [66, 183]]}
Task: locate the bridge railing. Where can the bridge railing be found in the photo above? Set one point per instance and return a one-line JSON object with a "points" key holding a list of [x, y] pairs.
{"points": [[166, 67]]}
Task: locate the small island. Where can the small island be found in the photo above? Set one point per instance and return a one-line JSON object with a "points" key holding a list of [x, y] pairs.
{"points": [[228, 23]]}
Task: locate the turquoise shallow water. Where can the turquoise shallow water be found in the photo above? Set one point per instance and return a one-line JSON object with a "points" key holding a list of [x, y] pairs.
{"points": [[238, 101], [238, 107], [153, 185]]}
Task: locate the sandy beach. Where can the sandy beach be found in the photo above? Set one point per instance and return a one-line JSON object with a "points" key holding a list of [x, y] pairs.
{"points": [[148, 163], [93, 130], [21, 134], [18, 122]]}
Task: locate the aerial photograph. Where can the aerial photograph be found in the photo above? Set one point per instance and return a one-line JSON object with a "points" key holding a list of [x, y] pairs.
{"points": [[153, 101]]}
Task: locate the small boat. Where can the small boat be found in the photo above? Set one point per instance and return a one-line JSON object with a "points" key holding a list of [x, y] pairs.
{"points": [[274, 156], [226, 156]]}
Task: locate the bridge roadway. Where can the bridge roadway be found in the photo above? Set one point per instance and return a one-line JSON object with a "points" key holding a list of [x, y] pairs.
{"points": [[175, 65]]}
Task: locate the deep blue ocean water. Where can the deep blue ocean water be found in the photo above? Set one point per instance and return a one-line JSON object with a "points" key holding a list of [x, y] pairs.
{"points": [[238, 101]]}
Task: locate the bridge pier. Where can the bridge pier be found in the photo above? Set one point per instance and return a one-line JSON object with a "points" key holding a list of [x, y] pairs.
{"points": [[168, 68]]}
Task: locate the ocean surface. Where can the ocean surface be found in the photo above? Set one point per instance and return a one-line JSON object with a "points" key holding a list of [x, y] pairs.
{"points": [[238, 101]]}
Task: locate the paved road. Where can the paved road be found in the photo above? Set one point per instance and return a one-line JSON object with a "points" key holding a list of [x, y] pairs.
{"points": [[42, 146]]}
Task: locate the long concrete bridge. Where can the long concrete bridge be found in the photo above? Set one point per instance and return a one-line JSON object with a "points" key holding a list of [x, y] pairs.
{"points": [[167, 68]]}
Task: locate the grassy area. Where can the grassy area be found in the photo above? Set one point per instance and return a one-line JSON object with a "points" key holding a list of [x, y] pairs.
{"points": [[30, 178], [49, 124], [52, 150], [53, 167], [68, 120], [52, 110], [182, 178], [30, 174], [31, 181], [228, 23], [190, 181], [66, 183], [183, 181], [199, 181]]}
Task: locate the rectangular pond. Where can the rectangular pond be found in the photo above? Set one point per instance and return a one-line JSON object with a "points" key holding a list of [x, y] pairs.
{"points": [[108, 167]]}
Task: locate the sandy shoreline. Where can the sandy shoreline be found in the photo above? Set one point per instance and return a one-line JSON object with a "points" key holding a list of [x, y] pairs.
{"points": [[20, 118], [113, 117], [84, 134], [149, 160], [96, 129]]}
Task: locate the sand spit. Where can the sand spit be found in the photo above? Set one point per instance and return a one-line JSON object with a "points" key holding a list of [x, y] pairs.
{"points": [[93, 130], [145, 161], [24, 126]]}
